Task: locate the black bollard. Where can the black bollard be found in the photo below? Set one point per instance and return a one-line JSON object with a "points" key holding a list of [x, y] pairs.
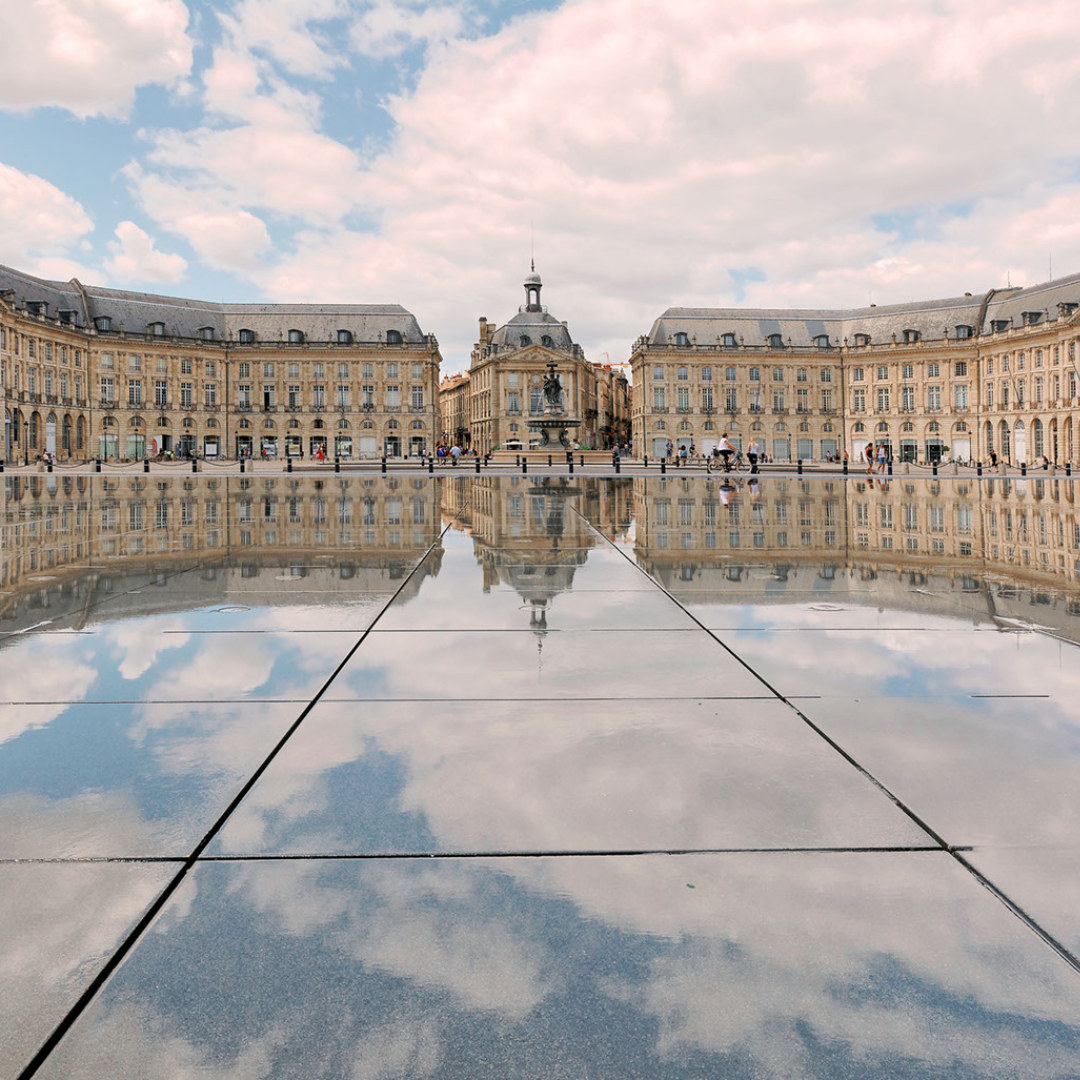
{"points": [[799, 467], [431, 464], [618, 465], [337, 464], [288, 463], [890, 466], [525, 466], [549, 461], [145, 464], [194, 465], [477, 463], [1068, 468], [583, 461], [1, 468], [48, 468], [97, 464], [517, 459], [241, 464], [646, 461], [663, 466], [978, 469], [384, 463], [845, 466], [935, 468], [570, 462], [1023, 468]]}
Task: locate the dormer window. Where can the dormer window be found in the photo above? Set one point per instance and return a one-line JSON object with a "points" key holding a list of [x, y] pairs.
{"points": [[911, 337], [36, 307], [822, 341], [728, 341], [156, 329], [393, 337], [776, 341], [682, 339], [524, 340], [344, 337], [1066, 309], [247, 337], [206, 333], [296, 337], [999, 326], [964, 332], [70, 318], [547, 342], [862, 341], [103, 324], [1030, 318]]}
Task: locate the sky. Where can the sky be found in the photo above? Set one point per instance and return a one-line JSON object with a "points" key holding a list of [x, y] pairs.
{"points": [[782, 153]]}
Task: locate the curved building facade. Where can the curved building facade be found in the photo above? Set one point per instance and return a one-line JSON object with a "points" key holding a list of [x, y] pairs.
{"points": [[955, 379], [90, 372]]}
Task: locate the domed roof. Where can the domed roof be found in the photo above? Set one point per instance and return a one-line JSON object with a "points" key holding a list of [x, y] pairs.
{"points": [[533, 279], [534, 326]]}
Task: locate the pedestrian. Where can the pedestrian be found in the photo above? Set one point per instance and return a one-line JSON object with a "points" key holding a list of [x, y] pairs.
{"points": [[455, 453], [752, 454], [682, 455], [882, 457], [868, 453], [668, 450]]}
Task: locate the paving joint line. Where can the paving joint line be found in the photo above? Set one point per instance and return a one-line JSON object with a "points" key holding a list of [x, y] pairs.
{"points": [[156, 906], [1044, 935]]}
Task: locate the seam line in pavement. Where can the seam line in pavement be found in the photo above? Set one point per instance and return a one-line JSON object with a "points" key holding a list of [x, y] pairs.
{"points": [[151, 913], [1066, 954]]}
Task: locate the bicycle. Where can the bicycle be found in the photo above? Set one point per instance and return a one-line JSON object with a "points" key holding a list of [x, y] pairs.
{"points": [[739, 463]]}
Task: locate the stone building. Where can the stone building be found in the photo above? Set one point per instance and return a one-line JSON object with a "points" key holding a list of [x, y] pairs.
{"points": [[506, 379], [454, 409], [942, 379], [91, 372]]}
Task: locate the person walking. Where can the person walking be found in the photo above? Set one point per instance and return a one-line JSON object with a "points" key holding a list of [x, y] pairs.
{"points": [[752, 454], [455, 453], [668, 450], [882, 457], [868, 453]]}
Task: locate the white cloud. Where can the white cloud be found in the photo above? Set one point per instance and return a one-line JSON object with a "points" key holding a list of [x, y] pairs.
{"points": [[134, 257], [40, 224], [693, 141], [90, 56]]}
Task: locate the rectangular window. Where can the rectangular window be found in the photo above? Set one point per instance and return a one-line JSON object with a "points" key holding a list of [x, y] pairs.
{"points": [[244, 394], [802, 403], [800, 375], [755, 374], [658, 397], [706, 397], [245, 370], [883, 399], [391, 371], [185, 395], [778, 400], [907, 398], [418, 371], [857, 374], [989, 395], [933, 370], [343, 397], [161, 392], [882, 372], [293, 399], [826, 374], [294, 371], [107, 390], [269, 396], [393, 396], [513, 402], [210, 390], [706, 374], [826, 400], [210, 368], [933, 398], [683, 374], [961, 397], [318, 396], [367, 395], [731, 399], [907, 371], [268, 371], [367, 371], [658, 372], [417, 397], [511, 378], [135, 392], [185, 366], [961, 367], [858, 400]]}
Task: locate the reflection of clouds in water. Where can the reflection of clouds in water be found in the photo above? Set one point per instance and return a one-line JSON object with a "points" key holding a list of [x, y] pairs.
{"points": [[138, 646], [428, 925], [49, 668], [60, 924], [504, 776]]}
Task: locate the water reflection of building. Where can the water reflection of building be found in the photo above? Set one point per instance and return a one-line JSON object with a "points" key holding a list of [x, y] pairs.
{"points": [[65, 541]]}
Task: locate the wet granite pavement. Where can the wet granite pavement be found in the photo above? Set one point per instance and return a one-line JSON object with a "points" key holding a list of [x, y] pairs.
{"points": [[549, 777]]}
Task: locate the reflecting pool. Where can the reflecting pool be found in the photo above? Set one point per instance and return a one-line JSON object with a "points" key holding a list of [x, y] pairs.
{"points": [[539, 776]]}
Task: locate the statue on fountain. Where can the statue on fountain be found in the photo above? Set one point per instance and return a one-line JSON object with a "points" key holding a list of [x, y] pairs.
{"points": [[552, 390]]}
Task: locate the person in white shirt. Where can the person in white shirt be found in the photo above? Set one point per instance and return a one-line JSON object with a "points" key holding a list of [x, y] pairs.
{"points": [[752, 455], [455, 453], [726, 450]]}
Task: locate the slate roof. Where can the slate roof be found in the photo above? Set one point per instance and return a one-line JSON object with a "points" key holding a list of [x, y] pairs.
{"points": [[534, 325], [135, 312]]}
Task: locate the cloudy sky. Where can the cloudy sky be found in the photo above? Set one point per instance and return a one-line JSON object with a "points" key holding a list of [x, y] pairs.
{"points": [[696, 152]]}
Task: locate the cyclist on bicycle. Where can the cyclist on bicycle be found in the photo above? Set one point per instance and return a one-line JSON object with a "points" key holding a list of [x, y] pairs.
{"points": [[725, 450]]}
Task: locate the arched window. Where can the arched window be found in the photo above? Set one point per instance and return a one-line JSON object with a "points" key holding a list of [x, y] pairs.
{"points": [[709, 425], [524, 340], [368, 425], [343, 425], [728, 340], [188, 422], [547, 342], [661, 426], [206, 333], [418, 425], [775, 341], [135, 421], [860, 426], [156, 329], [211, 422], [822, 341], [247, 337], [296, 337], [393, 337], [294, 423], [344, 337], [318, 424], [883, 427], [682, 339], [103, 323], [392, 425], [245, 423]]}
